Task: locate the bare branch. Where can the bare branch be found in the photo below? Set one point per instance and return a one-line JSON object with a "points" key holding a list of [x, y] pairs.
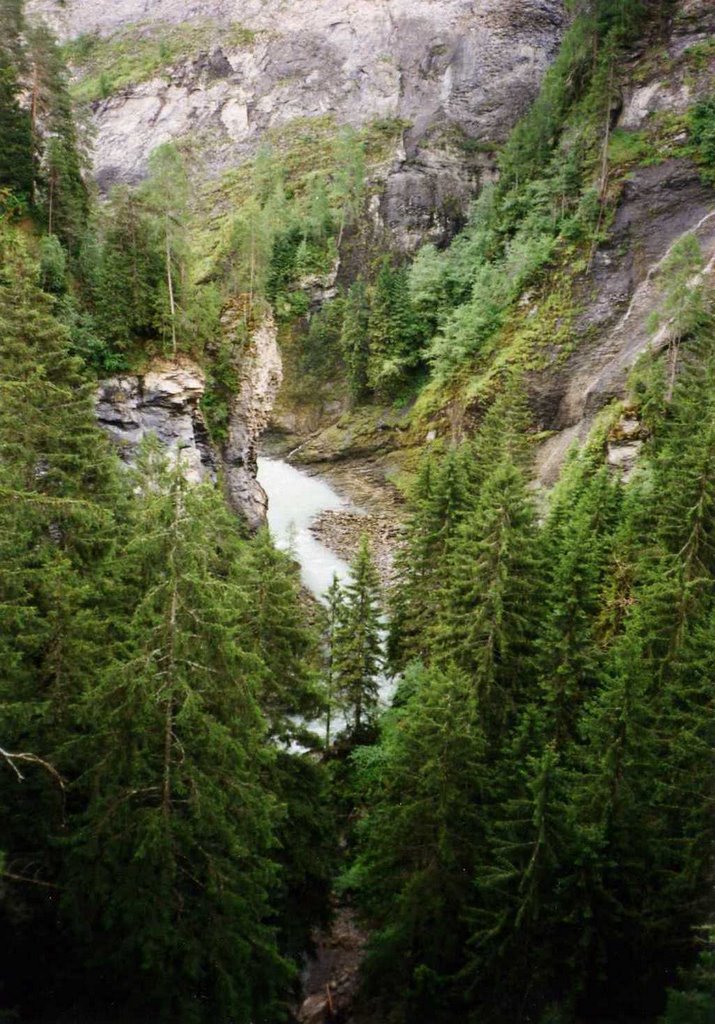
{"points": [[31, 759]]}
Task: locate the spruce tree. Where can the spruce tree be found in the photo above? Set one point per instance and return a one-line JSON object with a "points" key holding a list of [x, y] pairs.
{"points": [[130, 274], [59, 495], [417, 843], [335, 614], [489, 613], [354, 340], [523, 950], [170, 865], [16, 157], [274, 622], [62, 189], [392, 332], [442, 496], [577, 541], [358, 657]]}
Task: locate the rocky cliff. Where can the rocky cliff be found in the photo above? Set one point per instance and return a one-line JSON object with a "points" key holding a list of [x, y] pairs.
{"points": [[456, 73], [658, 197], [164, 401], [662, 199]]}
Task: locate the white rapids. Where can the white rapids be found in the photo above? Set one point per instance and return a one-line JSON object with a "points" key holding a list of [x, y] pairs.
{"points": [[294, 502]]}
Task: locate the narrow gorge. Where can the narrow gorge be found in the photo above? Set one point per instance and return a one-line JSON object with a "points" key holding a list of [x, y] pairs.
{"points": [[357, 511]]}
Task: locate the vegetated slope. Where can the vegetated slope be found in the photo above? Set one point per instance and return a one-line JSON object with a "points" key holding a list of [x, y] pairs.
{"points": [[556, 658], [560, 269]]}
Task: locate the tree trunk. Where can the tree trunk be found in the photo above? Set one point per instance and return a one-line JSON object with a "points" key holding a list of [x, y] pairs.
{"points": [[170, 282]]}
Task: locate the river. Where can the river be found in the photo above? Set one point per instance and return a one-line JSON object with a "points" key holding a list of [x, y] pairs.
{"points": [[294, 501]]}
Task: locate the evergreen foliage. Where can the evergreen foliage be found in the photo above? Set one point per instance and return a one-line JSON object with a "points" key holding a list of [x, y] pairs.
{"points": [[529, 827], [60, 499], [355, 340], [358, 654], [170, 862], [16, 158], [272, 616], [585, 646], [413, 873]]}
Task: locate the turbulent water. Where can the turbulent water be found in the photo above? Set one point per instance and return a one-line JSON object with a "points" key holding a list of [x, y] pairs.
{"points": [[294, 502]]}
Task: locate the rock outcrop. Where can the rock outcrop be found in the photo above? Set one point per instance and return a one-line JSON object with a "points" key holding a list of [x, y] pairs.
{"points": [[260, 373], [459, 73], [164, 401]]}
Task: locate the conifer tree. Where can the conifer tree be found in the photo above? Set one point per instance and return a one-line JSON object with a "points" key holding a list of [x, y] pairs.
{"points": [[62, 188], [576, 540], [354, 340], [348, 184], [418, 841], [441, 498], [59, 492], [130, 272], [335, 614], [619, 805], [273, 621], [358, 658], [16, 157], [166, 192], [170, 866], [392, 331], [523, 951], [251, 247], [489, 613]]}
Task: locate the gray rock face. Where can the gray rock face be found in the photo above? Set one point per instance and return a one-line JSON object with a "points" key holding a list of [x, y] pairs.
{"points": [[660, 206], [164, 402], [454, 70], [260, 376]]}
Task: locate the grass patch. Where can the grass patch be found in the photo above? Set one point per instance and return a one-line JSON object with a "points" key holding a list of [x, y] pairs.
{"points": [[626, 148], [139, 52], [700, 56]]}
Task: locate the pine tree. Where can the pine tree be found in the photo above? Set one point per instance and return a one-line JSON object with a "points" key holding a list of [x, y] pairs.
{"points": [[619, 804], [60, 178], [273, 619], [440, 500], [170, 866], [577, 545], [392, 332], [354, 340], [307, 855], [130, 272], [251, 249], [489, 613], [358, 657], [166, 193], [523, 950], [59, 494], [422, 826], [348, 184], [16, 158], [335, 614]]}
